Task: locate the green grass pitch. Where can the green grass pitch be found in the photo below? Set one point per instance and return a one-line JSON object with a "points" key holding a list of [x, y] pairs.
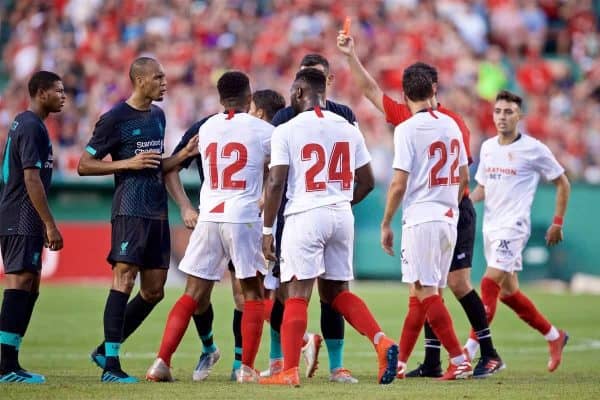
{"points": [[67, 324]]}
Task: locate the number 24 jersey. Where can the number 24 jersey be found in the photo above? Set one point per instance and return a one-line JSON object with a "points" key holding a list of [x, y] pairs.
{"points": [[322, 151]]}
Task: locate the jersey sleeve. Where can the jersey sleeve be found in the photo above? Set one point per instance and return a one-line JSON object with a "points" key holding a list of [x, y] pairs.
{"points": [[346, 112], [404, 152], [480, 175], [282, 116], [30, 146], [395, 113], [265, 139], [280, 154], [546, 164], [163, 128], [105, 137], [362, 153], [185, 139]]}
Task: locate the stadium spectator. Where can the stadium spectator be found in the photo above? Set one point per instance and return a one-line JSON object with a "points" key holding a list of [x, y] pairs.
{"points": [[90, 42]]}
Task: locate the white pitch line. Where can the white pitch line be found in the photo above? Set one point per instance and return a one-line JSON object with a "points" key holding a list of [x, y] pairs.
{"points": [[582, 346]]}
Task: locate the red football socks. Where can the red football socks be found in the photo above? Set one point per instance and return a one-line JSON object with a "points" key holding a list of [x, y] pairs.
{"points": [[413, 323], [526, 310], [295, 320], [177, 323], [252, 325], [441, 323], [356, 312]]}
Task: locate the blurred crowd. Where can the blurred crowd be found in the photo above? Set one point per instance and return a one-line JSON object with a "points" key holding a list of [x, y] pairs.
{"points": [[546, 50]]}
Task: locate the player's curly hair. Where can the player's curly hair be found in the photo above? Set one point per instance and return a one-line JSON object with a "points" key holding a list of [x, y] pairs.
{"points": [[233, 86], [315, 79], [417, 84], [269, 101], [41, 80]]}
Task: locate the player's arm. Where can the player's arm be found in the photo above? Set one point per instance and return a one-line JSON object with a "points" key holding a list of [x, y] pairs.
{"points": [[273, 195], [364, 183], [478, 194], [88, 165], [394, 198], [261, 201], [189, 214], [369, 87], [554, 235], [104, 141], [35, 190], [188, 151]]}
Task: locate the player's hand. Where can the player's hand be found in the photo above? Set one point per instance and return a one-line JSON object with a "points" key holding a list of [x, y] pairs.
{"points": [[191, 148], [261, 203], [52, 238], [189, 215], [387, 239], [554, 235], [345, 43], [144, 160], [269, 248]]}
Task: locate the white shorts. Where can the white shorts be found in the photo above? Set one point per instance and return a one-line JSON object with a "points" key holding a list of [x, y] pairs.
{"points": [[426, 253], [504, 249], [213, 244], [271, 282], [318, 243]]}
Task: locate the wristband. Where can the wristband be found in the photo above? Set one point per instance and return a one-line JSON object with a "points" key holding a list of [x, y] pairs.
{"points": [[267, 230], [558, 221]]}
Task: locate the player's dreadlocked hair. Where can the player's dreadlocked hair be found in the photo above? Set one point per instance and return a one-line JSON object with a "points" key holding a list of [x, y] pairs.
{"points": [[417, 84], [312, 60], [510, 97], [41, 80], [269, 101], [314, 78], [233, 86]]}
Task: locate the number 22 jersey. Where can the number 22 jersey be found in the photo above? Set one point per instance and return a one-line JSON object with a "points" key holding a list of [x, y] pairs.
{"points": [[429, 147]]}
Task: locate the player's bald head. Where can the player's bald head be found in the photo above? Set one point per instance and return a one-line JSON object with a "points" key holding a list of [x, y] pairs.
{"points": [[141, 67]]}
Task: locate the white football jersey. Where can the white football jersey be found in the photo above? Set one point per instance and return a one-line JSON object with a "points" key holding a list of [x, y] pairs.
{"points": [[429, 147], [322, 153], [510, 175], [234, 151]]}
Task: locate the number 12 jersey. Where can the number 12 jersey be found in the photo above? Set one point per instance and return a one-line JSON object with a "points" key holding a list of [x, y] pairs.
{"points": [[234, 149]]}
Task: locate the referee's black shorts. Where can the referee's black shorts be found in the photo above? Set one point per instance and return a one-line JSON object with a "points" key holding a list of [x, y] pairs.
{"points": [[465, 236]]}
